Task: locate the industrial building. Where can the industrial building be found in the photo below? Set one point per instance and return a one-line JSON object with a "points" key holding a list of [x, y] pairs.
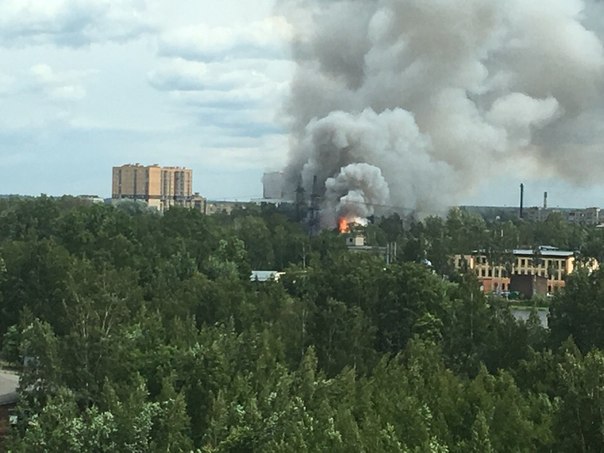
{"points": [[159, 187], [586, 216], [273, 185], [581, 216], [496, 275]]}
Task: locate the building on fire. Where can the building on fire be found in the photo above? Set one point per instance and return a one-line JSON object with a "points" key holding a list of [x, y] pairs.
{"points": [[550, 264]]}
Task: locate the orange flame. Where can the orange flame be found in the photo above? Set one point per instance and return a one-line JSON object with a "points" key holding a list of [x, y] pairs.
{"points": [[342, 225]]}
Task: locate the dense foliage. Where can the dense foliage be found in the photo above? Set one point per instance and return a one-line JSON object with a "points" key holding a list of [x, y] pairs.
{"points": [[135, 331]]}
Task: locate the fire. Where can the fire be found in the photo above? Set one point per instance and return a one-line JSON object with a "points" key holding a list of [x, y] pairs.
{"points": [[342, 225]]}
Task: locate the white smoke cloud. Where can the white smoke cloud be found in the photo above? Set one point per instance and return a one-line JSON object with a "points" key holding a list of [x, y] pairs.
{"points": [[440, 94], [518, 113], [356, 190]]}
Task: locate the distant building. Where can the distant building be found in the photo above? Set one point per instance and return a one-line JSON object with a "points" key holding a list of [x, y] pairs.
{"points": [[356, 243], [224, 207], [355, 240], [536, 214], [587, 216], [159, 187], [547, 262], [198, 203], [265, 276], [8, 400], [92, 199], [273, 185], [528, 285]]}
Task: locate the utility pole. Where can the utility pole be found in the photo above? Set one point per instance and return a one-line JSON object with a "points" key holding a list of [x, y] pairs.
{"points": [[314, 209], [300, 202]]}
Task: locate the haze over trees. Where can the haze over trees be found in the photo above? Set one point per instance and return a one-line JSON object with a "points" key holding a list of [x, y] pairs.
{"points": [[140, 332]]}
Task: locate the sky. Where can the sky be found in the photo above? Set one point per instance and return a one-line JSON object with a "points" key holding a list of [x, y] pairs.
{"points": [[86, 85]]}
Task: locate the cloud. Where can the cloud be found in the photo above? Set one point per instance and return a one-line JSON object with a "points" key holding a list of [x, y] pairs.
{"points": [[230, 80], [56, 86], [71, 23], [248, 124], [6, 84], [42, 81], [183, 75], [266, 39], [232, 104], [238, 98], [245, 153]]}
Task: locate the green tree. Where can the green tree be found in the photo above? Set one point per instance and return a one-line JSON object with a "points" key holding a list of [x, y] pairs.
{"points": [[60, 426], [579, 423], [171, 427], [480, 441], [576, 311]]}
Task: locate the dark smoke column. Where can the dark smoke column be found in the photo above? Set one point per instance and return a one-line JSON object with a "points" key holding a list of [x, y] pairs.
{"points": [[437, 97]]}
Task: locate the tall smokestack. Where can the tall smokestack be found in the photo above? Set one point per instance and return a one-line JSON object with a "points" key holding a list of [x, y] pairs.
{"points": [[521, 200], [544, 200]]}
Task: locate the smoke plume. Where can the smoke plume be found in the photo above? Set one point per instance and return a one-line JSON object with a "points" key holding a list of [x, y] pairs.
{"points": [[356, 190], [411, 103]]}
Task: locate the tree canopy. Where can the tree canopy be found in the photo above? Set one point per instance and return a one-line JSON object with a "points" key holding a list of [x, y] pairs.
{"points": [[135, 331]]}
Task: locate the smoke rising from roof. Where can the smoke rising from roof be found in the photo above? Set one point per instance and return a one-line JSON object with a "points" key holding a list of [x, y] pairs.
{"points": [[432, 96], [357, 189]]}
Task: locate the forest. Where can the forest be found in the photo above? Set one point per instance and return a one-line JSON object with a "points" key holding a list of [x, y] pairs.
{"points": [[139, 332]]}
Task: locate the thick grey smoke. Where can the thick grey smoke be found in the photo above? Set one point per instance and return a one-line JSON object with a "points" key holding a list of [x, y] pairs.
{"points": [[358, 188], [435, 95]]}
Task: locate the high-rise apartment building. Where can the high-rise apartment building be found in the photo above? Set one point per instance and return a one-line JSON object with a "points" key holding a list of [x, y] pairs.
{"points": [[159, 187]]}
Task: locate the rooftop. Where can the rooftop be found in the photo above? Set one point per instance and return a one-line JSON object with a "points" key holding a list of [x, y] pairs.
{"points": [[8, 387], [264, 276], [545, 252]]}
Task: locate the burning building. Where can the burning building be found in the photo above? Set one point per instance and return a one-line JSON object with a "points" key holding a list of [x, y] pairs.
{"points": [[398, 103]]}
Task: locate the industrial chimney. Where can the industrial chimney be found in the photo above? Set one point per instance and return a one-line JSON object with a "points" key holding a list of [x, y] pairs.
{"points": [[521, 200], [544, 200]]}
